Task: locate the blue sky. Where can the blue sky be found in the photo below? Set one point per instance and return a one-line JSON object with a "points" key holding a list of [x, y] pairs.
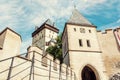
{"points": [[23, 15]]}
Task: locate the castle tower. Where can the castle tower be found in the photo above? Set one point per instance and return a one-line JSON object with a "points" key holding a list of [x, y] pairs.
{"points": [[81, 49], [44, 34], [10, 43]]}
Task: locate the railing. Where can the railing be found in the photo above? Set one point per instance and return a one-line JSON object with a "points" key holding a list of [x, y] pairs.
{"points": [[32, 69]]}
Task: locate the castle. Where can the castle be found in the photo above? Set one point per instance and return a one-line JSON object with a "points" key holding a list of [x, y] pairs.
{"points": [[88, 54]]}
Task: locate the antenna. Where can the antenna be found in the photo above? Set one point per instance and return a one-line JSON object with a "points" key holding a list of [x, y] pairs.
{"points": [[36, 27], [55, 20], [74, 4]]}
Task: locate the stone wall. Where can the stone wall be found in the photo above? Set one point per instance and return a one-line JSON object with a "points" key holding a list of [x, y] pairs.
{"points": [[37, 66], [110, 51]]}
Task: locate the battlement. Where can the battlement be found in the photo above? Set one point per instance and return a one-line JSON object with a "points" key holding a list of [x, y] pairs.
{"points": [[42, 67], [108, 30]]}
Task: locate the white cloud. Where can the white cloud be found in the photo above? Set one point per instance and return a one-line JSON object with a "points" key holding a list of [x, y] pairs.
{"points": [[113, 25]]}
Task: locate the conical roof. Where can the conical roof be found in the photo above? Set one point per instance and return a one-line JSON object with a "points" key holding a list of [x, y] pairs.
{"points": [[77, 18]]}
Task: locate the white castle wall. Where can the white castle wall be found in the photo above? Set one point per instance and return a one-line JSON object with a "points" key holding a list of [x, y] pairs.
{"points": [[10, 42], [21, 68], [110, 51], [35, 65]]}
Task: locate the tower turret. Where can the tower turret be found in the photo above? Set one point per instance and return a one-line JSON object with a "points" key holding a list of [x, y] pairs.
{"points": [[43, 34], [81, 49]]}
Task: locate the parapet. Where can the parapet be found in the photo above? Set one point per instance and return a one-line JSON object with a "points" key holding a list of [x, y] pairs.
{"points": [[47, 60], [108, 30], [105, 31]]}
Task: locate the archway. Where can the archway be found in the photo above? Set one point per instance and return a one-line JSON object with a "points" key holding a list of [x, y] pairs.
{"points": [[88, 74]]}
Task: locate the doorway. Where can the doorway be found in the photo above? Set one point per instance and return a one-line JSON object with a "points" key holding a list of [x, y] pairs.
{"points": [[88, 74]]}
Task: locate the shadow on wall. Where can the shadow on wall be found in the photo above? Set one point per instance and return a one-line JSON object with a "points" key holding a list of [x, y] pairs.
{"points": [[36, 66]]}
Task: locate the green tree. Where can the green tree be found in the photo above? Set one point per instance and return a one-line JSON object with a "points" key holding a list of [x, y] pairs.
{"points": [[56, 50]]}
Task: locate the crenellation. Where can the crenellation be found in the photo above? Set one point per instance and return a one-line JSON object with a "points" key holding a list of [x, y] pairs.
{"points": [[108, 30], [98, 30]]}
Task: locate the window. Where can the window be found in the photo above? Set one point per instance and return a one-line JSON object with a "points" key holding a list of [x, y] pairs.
{"points": [[47, 43], [89, 31], [80, 42], [82, 30], [88, 43], [74, 29]]}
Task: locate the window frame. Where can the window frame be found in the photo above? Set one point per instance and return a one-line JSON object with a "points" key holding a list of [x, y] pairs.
{"points": [[88, 43]]}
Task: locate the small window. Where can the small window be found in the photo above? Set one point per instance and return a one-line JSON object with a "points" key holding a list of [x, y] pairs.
{"points": [[74, 29], [47, 43], [80, 42], [88, 43], [82, 30], [89, 31]]}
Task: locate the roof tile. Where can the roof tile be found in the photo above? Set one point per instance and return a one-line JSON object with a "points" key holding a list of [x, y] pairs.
{"points": [[78, 18]]}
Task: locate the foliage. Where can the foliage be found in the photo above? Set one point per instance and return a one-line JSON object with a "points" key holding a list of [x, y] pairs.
{"points": [[56, 50]]}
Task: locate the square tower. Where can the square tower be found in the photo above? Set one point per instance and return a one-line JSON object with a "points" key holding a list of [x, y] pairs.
{"points": [[44, 34], [81, 48]]}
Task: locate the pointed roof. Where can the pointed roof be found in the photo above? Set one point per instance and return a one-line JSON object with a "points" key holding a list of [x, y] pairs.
{"points": [[49, 22], [78, 18]]}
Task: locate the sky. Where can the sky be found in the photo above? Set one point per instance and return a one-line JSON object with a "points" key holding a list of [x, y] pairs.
{"points": [[23, 15]]}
